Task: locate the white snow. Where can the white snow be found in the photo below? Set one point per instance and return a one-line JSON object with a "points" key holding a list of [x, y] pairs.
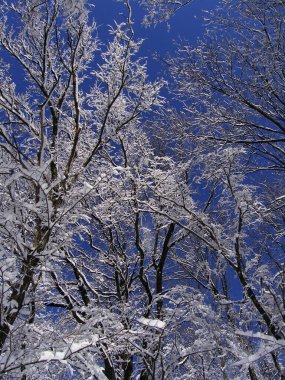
{"points": [[52, 355], [87, 188], [152, 322], [72, 348]]}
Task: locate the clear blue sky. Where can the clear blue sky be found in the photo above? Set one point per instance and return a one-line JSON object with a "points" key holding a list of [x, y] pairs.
{"points": [[186, 23]]}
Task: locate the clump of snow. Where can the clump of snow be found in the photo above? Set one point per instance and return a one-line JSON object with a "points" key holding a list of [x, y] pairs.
{"points": [[72, 348], [152, 322], [52, 355]]}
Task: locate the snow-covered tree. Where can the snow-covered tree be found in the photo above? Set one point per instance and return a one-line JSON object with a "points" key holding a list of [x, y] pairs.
{"points": [[232, 90], [67, 105], [134, 247]]}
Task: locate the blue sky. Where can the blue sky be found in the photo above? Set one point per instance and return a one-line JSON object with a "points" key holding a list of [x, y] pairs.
{"points": [[186, 24]]}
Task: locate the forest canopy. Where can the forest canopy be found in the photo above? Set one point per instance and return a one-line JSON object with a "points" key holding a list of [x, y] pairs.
{"points": [[142, 220]]}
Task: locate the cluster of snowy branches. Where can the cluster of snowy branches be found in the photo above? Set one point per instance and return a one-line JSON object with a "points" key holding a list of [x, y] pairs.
{"points": [[139, 240]]}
